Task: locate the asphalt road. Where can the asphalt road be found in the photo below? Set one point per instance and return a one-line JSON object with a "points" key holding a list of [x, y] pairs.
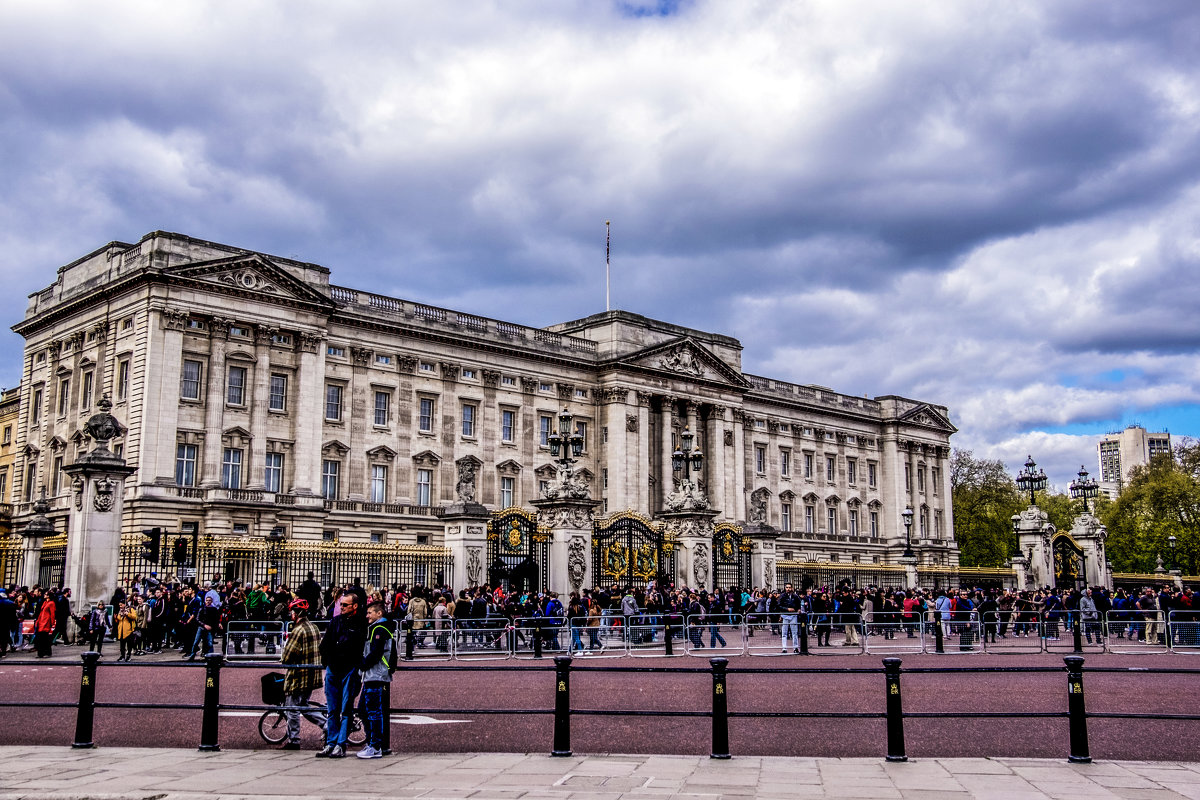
{"points": [[525, 687]]}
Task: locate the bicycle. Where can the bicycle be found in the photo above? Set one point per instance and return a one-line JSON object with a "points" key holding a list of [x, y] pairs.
{"points": [[272, 725]]}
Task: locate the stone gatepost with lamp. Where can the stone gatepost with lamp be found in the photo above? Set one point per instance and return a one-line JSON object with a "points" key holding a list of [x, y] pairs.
{"points": [[94, 533], [566, 509], [689, 520], [465, 528]]}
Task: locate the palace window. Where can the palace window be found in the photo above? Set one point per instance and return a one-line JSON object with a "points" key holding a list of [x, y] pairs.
{"points": [[424, 487], [760, 460], [507, 488], [830, 468], [831, 520], [810, 519], [808, 466], [333, 402], [468, 420], [544, 423], [185, 465], [379, 475], [235, 386], [330, 471], [189, 385], [853, 522], [425, 417], [278, 395], [231, 468], [874, 522], [64, 396], [851, 471], [85, 397], [273, 472], [123, 379], [785, 517], [785, 463], [508, 426], [383, 402]]}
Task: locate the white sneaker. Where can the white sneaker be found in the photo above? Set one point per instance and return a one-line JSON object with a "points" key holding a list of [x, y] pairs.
{"points": [[369, 752]]}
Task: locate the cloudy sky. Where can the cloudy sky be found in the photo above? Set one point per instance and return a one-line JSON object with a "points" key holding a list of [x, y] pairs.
{"points": [[990, 205]]}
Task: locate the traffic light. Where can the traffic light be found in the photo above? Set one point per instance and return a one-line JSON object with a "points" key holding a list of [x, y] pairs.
{"points": [[180, 551], [153, 538]]}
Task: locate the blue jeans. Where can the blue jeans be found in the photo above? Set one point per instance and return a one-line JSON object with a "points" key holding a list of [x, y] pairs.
{"points": [[202, 635], [371, 708], [791, 624], [340, 691]]}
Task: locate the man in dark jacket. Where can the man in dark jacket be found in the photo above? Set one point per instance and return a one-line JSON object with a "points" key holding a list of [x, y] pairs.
{"points": [[341, 654]]}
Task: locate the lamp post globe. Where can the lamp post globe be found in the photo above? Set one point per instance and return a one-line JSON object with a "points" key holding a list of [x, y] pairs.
{"points": [[1084, 488]]}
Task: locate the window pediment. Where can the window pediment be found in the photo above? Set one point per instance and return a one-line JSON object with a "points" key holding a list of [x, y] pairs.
{"points": [[508, 467], [335, 448], [427, 458], [381, 453]]}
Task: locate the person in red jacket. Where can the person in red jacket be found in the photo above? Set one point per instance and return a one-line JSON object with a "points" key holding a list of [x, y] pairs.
{"points": [[44, 626]]}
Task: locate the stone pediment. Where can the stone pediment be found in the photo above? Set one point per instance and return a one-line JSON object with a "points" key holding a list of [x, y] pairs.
{"points": [[250, 274], [926, 416], [686, 358]]}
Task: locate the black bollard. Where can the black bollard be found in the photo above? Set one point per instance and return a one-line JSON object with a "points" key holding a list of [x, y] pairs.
{"points": [[939, 646], [537, 638], [1076, 713], [1077, 629], [670, 647], [562, 706], [804, 634], [87, 701], [720, 709], [387, 719], [410, 640], [212, 701], [895, 711]]}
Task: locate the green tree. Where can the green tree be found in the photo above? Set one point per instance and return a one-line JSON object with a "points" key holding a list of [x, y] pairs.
{"points": [[1160, 500], [985, 498]]}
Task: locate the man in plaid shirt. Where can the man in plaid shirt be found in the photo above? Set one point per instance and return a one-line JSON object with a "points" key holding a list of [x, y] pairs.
{"points": [[302, 648]]}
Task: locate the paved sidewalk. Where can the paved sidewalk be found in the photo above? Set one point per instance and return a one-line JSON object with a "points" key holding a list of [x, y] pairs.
{"points": [[160, 774]]}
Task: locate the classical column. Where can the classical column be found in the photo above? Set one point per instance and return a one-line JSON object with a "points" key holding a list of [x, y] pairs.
{"points": [[260, 398], [666, 476], [214, 403], [714, 458], [642, 471], [160, 398], [743, 481], [309, 416], [94, 534], [617, 460]]}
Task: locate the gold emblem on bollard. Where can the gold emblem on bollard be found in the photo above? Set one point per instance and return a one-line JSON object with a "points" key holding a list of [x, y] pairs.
{"points": [[1076, 687], [719, 688], [562, 686], [87, 681], [893, 688], [209, 684]]}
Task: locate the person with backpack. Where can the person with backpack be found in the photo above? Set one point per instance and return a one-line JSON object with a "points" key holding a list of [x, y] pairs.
{"points": [[378, 664]]}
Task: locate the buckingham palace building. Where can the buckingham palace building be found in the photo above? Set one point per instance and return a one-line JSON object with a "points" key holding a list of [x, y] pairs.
{"points": [[273, 422]]}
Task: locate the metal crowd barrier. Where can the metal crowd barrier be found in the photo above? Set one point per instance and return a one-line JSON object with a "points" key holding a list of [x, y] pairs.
{"points": [[715, 634], [1183, 629], [254, 640], [894, 637], [1136, 631]]}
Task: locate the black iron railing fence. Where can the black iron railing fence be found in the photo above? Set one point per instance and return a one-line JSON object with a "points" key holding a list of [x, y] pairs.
{"points": [[562, 710]]}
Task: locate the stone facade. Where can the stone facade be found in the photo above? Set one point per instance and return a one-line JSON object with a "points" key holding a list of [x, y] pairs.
{"points": [[256, 394]]}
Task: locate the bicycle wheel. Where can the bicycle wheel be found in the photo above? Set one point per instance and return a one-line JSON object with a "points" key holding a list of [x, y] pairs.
{"points": [[272, 726], [357, 734]]}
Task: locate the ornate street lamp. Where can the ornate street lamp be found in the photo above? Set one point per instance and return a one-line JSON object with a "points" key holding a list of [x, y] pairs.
{"points": [[1171, 550], [1016, 525], [1030, 481], [909, 556], [1083, 488], [566, 440], [275, 541], [686, 457]]}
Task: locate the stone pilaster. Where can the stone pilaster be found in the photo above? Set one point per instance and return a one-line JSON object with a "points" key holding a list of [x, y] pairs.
{"points": [[94, 533], [214, 404], [466, 527], [693, 534], [570, 523], [763, 555]]}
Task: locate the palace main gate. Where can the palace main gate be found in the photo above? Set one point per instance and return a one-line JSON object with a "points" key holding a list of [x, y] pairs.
{"points": [[1068, 562], [630, 550], [518, 552], [731, 558]]}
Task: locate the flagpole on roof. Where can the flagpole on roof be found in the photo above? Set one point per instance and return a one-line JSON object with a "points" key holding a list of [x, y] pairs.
{"points": [[607, 250]]}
